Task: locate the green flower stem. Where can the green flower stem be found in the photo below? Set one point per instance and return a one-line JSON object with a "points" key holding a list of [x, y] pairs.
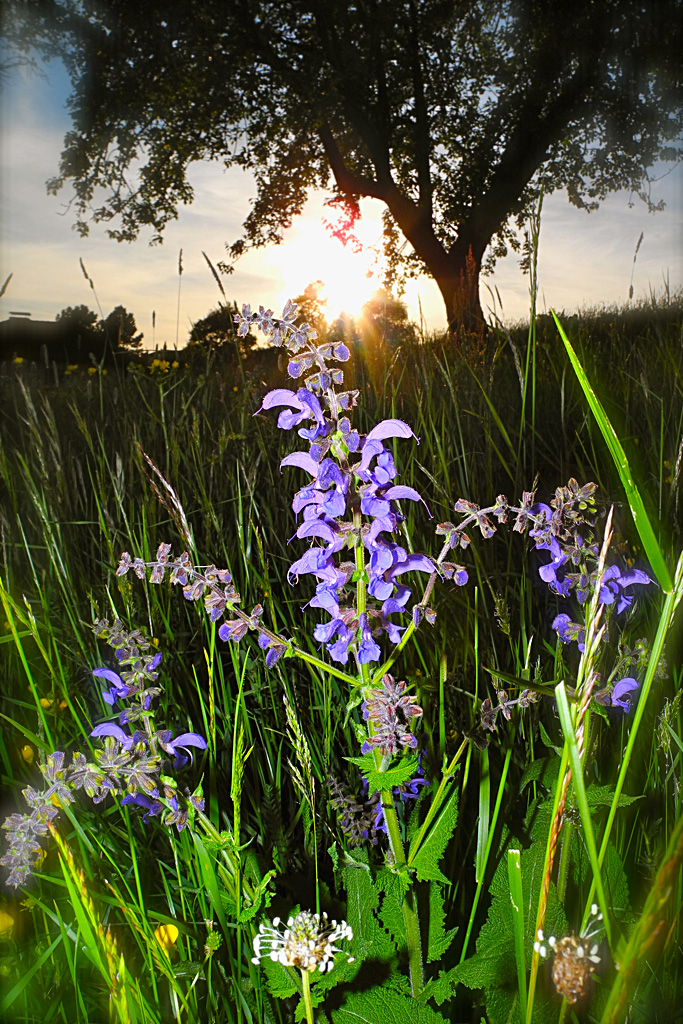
{"points": [[410, 913], [306, 986], [360, 564], [311, 659]]}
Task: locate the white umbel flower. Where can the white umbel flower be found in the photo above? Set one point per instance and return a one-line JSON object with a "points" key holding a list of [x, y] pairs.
{"points": [[307, 942]]}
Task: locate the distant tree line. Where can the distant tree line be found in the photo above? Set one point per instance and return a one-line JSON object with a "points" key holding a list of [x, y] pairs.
{"points": [[118, 329], [383, 318], [77, 333]]}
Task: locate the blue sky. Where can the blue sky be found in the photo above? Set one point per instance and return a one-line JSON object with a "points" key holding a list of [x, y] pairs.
{"points": [[584, 260]]}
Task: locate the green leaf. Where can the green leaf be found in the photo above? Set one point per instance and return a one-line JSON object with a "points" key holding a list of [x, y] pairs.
{"points": [[432, 848], [384, 1006], [369, 938], [403, 770], [640, 516], [547, 740], [517, 902], [258, 894], [279, 980], [602, 796], [483, 818], [27, 977], [438, 939], [210, 881], [543, 770]]}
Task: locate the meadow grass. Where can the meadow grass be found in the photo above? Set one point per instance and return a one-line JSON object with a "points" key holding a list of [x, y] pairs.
{"points": [[76, 491]]}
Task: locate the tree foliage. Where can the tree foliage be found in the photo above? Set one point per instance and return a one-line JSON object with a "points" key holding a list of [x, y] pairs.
{"points": [[217, 330], [78, 319], [453, 113], [120, 329]]}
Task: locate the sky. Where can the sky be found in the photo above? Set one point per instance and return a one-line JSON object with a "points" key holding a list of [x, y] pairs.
{"points": [[585, 260]]}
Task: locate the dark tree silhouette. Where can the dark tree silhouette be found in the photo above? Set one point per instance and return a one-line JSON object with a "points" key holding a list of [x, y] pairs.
{"points": [[453, 113], [217, 330], [79, 319], [119, 329]]}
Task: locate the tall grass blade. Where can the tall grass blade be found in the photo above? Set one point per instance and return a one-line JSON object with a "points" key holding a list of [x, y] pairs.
{"points": [[640, 516]]}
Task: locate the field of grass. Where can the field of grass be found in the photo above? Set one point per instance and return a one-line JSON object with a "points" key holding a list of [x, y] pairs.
{"points": [[137, 921]]}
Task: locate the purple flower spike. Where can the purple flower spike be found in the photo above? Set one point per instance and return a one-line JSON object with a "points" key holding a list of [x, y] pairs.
{"points": [[180, 743], [390, 428], [118, 689], [110, 729], [153, 807], [624, 686]]}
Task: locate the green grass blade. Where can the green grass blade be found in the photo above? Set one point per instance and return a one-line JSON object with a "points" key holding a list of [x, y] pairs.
{"points": [[517, 898], [25, 979], [640, 516], [582, 800]]}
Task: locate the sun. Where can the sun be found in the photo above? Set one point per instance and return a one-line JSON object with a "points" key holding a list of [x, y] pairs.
{"points": [[349, 278]]}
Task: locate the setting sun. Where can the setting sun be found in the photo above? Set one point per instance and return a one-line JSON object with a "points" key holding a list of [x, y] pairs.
{"points": [[349, 277]]}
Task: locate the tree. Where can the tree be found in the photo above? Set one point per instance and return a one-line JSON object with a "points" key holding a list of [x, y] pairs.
{"points": [[384, 316], [79, 322], [453, 113], [312, 307], [217, 329], [120, 327]]}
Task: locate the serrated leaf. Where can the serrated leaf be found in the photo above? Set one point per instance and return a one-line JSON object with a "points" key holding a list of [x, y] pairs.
{"points": [[438, 940], [259, 893], [393, 888], [384, 1006], [493, 966], [548, 741], [393, 776], [602, 796], [431, 850], [543, 770], [279, 981], [369, 938]]}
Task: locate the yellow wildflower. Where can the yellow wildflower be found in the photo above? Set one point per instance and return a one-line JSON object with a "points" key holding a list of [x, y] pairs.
{"points": [[18, 360], [166, 935], [27, 753], [52, 704], [92, 369]]}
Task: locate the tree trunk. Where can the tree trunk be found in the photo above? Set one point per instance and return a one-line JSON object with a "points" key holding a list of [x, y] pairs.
{"points": [[460, 289]]}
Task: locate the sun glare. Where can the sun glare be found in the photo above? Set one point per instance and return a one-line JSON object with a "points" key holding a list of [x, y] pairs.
{"points": [[349, 278]]}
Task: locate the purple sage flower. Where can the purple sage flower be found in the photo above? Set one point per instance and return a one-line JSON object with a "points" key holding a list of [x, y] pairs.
{"points": [[178, 747], [623, 687]]}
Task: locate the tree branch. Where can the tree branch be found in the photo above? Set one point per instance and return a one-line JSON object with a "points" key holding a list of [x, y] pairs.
{"points": [[347, 181]]}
